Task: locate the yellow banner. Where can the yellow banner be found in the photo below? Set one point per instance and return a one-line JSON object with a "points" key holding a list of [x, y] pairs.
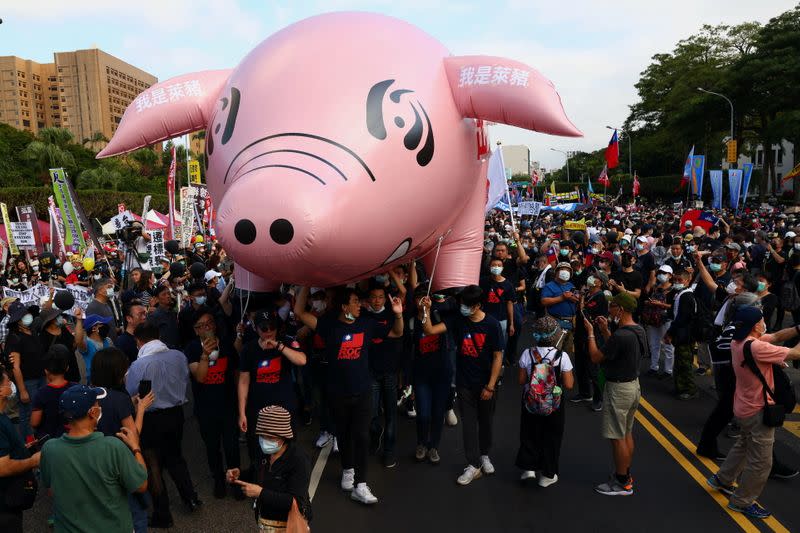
{"points": [[563, 195], [194, 171], [575, 224], [792, 174], [7, 221]]}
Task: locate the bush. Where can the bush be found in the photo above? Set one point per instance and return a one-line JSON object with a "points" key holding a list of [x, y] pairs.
{"points": [[100, 204]]}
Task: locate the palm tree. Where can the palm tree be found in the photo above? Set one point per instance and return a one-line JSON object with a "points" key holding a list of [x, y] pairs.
{"points": [[49, 150], [96, 138], [99, 178]]}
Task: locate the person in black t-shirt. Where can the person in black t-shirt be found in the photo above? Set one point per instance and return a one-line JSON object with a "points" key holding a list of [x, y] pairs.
{"points": [[619, 358], [45, 418], [478, 363], [265, 374], [27, 358], [347, 337], [499, 297], [383, 364], [53, 331], [133, 313], [213, 363]]}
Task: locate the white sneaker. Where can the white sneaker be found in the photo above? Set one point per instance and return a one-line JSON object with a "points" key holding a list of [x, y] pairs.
{"points": [[363, 494], [545, 481], [486, 465], [323, 439], [348, 478], [527, 474], [451, 419], [470, 473], [335, 445]]}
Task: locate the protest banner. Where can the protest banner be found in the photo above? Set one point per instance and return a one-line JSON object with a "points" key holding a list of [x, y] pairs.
{"points": [[27, 213], [73, 234], [9, 235], [530, 208], [155, 249], [187, 215], [23, 235]]}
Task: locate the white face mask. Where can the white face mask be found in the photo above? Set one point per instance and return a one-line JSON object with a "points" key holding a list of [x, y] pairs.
{"points": [[563, 275], [350, 316], [13, 391], [797, 246], [318, 306], [268, 446], [662, 278], [678, 286], [465, 310], [731, 288], [378, 310], [590, 282], [496, 270], [110, 292]]}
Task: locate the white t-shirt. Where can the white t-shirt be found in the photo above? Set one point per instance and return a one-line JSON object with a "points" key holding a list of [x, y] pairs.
{"points": [[547, 353]]}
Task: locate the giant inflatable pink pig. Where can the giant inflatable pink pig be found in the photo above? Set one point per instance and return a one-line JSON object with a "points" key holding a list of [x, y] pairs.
{"points": [[344, 144]]}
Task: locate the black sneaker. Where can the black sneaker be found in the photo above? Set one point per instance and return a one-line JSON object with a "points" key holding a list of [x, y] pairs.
{"points": [[579, 399], [389, 461], [781, 471], [597, 406], [701, 371]]}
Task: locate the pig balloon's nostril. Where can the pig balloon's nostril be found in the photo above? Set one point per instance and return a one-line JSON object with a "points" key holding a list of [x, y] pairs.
{"points": [[281, 231], [245, 231]]}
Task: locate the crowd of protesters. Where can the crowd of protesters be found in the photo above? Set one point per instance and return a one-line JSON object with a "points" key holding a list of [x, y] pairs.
{"points": [[93, 400]]}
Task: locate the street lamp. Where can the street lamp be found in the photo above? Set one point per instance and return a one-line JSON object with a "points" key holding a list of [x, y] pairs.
{"points": [[727, 99], [566, 154], [630, 149]]}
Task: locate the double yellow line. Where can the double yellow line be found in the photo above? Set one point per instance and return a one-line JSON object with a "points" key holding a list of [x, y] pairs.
{"points": [[692, 470]]}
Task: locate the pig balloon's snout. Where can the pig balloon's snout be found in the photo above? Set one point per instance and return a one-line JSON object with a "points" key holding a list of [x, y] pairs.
{"points": [[281, 231]]}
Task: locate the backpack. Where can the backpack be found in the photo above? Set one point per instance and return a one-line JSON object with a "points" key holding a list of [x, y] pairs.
{"points": [[543, 395], [790, 300], [652, 315]]}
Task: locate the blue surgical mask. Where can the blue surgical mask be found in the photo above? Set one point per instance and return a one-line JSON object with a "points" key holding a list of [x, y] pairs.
{"points": [[564, 252], [761, 286], [381, 278], [268, 446], [678, 286], [60, 321], [617, 253], [465, 310], [27, 320], [496, 270], [714, 267], [200, 300], [639, 247], [690, 249], [350, 316]]}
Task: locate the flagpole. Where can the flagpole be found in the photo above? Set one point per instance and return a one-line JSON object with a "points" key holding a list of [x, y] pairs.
{"points": [[508, 195]]}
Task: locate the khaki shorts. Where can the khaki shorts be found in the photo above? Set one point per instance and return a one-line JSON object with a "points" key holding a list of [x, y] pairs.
{"points": [[620, 401]]}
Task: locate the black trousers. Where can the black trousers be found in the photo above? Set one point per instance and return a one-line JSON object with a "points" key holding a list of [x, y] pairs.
{"points": [[11, 521], [586, 372], [540, 441], [220, 434], [162, 434], [725, 381], [476, 419], [353, 415]]}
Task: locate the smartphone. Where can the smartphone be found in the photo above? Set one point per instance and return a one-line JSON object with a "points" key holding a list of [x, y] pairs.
{"points": [[36, 445], [145, 386]]}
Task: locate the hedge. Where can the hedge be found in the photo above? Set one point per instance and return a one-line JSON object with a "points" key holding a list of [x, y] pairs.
{"points": [[651, 187], [100, 204]]}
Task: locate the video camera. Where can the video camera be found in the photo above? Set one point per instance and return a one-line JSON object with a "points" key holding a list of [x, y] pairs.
{"points": [[130, 232]]}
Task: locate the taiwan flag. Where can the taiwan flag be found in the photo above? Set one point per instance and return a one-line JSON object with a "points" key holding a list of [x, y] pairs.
{"points": [[635, 185], [612, 152], [603, 178]]}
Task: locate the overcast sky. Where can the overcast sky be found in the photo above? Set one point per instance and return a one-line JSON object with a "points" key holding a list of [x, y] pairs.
{"points": [[592, 50]]}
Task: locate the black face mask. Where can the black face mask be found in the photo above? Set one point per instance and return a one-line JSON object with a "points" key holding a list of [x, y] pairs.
{"points": [[103, 331]]}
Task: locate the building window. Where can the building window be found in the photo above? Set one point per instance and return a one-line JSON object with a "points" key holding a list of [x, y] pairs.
{"points": [[26, 123], [40, 125], [779, 157]]}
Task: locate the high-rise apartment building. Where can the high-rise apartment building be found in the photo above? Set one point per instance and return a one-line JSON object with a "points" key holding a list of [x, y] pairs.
{"points": [[85, 91]]}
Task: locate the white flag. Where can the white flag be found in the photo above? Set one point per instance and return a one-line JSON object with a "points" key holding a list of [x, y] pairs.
{"points": [[497, 179]]}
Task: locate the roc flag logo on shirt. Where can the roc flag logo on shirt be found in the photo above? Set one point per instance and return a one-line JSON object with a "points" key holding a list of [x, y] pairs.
{"points": [[269, 370], [351, 346], [216, 372], [494, 295], [471, 345], [429, 344]]}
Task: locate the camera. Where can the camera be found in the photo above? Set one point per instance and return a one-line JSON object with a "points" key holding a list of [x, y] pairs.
{"points": [[129, 233]]}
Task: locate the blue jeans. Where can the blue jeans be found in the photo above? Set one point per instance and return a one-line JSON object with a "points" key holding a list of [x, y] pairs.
{"points": [[25, 409], [432, 397], [385, 386], [139, 502]]}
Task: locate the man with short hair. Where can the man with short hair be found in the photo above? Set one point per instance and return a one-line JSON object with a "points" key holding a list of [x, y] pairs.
{"points": [[560, 299], [478, 363], [619, 359], [168, 373], [91, 475], [134, 314], [101, 305], [750, 459]]}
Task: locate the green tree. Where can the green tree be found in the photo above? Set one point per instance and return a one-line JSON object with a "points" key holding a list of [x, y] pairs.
{"points": [[50, 150], [96, 141]]}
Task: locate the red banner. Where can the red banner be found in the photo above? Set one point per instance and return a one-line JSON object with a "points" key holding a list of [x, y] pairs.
{"points": [[171, 197]]}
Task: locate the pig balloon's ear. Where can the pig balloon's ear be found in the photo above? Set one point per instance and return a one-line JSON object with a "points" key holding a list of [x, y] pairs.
{"points": [[168, 109], [509, 92]]}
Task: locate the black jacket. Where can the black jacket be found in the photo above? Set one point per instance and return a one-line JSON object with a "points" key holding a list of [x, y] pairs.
{"points": [[286, 478]]}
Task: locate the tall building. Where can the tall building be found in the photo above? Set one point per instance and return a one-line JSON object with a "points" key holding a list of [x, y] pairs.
{"points": [[85, 91], [517, 159]]}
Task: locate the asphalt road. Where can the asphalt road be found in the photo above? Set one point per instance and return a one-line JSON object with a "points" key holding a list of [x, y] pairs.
{"points": [[670, 489]]}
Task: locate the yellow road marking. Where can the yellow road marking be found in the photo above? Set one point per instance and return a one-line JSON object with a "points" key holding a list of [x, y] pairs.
{"points": [[712, 467], [792, 427], [718, 497], [797, 409]]}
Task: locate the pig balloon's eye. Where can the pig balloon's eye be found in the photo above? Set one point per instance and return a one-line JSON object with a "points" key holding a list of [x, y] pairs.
{"points": [[420, 127]]}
